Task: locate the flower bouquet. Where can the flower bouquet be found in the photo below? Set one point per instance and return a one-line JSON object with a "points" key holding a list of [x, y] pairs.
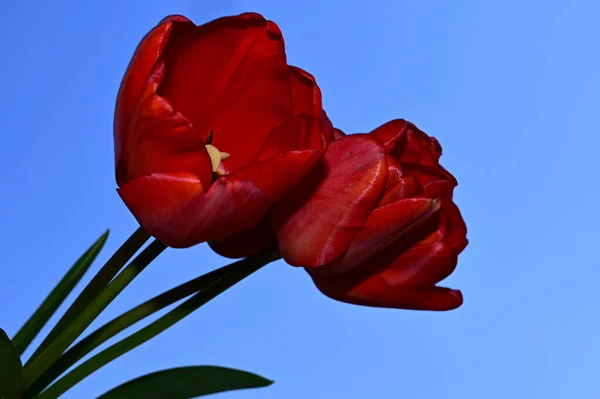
{"points": [[219, 140]]}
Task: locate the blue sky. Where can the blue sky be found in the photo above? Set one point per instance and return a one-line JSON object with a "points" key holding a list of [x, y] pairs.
{"points": [[509, 88]]}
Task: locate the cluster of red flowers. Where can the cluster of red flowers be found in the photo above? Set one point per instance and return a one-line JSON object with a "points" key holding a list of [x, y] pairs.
{"points": [[219, 140]]}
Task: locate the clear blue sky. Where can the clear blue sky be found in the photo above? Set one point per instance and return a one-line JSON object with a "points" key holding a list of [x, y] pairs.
{"points": [[509, 88]]}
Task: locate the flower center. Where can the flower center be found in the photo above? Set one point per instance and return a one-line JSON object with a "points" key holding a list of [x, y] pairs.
{"points": [[216, 156]]}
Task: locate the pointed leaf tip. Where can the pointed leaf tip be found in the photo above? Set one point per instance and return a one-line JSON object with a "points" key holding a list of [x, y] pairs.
{"points": [[40, 317], [186, 383]]}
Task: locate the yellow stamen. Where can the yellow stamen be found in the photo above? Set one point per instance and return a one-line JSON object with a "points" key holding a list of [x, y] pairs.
{"points": [[216, 156]]}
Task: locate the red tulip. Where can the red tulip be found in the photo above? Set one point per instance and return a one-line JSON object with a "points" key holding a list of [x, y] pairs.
{"points": [[374, 223], [212, 126]]}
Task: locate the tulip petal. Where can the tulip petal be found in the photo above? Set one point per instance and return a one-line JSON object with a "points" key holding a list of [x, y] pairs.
{"points": [[404, 275], [245, 243], [378, 294], [293, 134], [409, 144], [399, 186], [306, 97], [327, 132], [161, 139], [277, 176], [420, 266], [435, 180], [419, 156], [389, 133], [403, 188], [176, 210], [417, 147], [456, 229], [316, 222], [139, 70], [383, 227], [306, 94], [338, 134], [231, 76]]}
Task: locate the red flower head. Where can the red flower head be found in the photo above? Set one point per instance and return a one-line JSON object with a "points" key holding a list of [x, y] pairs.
{"points": [[212, 126], [374, 223]]}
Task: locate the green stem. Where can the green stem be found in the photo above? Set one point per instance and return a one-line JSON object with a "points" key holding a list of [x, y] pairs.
{"points": [[239, 270], [97, 284], [36, 368], [117, 325], [57, 296]]}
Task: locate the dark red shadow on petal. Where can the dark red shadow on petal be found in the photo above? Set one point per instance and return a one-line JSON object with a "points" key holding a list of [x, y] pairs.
{"points": [[246, 243]]}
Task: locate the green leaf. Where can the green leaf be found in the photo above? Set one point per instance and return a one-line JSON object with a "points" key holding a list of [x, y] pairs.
{"points": [[93, 288], [185, 383], [236, 272], [11, 375], [117, 325], [36, 367], [41, 316]]}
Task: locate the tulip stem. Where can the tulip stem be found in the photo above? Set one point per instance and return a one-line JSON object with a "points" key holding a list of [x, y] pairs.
{"points": [[59, 293], [236, 272], [97, 284], [120, 323], [35, 368]]}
